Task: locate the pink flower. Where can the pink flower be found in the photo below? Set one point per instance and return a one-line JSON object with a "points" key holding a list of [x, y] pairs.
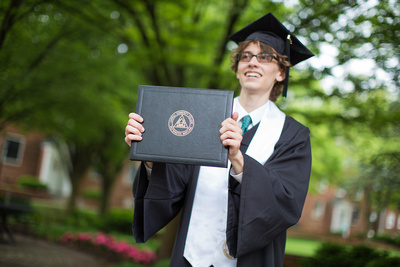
{"points": [[66, 237], [107, 242], [101, 239], [83, 237]]}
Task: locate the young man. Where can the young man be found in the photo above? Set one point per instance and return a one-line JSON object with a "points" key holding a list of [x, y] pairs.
{"points": [[236, 216]]}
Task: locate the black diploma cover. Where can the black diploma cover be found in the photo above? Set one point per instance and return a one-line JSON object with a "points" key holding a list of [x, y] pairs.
{"points": [[182, 125]]}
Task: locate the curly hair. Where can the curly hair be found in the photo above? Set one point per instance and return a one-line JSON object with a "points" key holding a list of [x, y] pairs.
{"points": [[282, 61]]}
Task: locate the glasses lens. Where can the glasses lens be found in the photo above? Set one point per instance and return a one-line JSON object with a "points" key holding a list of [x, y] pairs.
{"points": [[264, 58], [245, 57]]}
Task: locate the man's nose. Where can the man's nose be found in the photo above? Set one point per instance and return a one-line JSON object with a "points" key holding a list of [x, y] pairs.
{"points": [[254, 60]]}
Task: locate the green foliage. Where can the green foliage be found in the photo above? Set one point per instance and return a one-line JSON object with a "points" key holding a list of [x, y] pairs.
{"points": [[54, 222], [31, 182], [301, 247], [118, 221], [393, 240], [384, 262], [92, 194], [335, 255], [76, 83]]}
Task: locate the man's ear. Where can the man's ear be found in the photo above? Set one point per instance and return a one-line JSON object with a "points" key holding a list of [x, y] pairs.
{"points": [[280, 76]]}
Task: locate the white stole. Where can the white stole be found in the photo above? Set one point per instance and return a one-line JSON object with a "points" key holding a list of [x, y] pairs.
{"points": [[207, 227], [268, 133]]}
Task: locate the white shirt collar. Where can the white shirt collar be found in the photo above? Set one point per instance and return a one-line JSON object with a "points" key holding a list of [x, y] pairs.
{"points": [[256, 115]]}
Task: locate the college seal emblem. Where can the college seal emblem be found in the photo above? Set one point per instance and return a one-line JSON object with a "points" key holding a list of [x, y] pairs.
{"points": [[181, 123]]}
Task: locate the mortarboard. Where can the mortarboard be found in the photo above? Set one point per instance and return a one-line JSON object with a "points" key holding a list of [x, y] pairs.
{"points": [[271, 31]]}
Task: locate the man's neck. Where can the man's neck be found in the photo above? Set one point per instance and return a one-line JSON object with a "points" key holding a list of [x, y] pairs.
{"points": [[251, 102]]}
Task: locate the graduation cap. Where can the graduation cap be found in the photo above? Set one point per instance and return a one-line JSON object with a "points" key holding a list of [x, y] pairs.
{"points": [[271, 31]]}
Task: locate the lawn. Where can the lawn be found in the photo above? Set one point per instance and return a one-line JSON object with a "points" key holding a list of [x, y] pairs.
{"points": [[307, 247], [52, 223], [301, 247]]}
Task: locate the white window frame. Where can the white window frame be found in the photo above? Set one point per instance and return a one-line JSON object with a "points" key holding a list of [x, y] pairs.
{"points": [[12, 137]]}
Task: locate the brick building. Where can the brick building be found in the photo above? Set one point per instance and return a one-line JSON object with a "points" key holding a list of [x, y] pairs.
{"points": [[32, 154], [330, 210]]}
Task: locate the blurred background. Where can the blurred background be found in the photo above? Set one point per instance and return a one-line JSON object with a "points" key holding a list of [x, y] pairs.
{"points": [[69, 75]]}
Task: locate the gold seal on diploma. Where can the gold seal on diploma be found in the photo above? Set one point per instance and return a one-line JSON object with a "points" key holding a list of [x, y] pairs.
{"points": [[181, 123]]}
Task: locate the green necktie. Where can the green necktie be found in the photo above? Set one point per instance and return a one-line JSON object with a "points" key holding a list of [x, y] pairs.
{"points": [[246, 121]]}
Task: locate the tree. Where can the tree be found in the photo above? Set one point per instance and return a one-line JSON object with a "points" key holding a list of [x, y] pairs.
{"points": [[65, 84], [79, 77]]}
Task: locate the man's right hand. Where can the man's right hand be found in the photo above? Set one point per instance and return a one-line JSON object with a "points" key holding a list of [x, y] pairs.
{"points": [[134, 130]]}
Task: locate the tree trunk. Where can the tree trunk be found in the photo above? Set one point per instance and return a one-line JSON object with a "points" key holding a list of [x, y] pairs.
{"points": [[80, 158], [368, 208], [106, 194]]}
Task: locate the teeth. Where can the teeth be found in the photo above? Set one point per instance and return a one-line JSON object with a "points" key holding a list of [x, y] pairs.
{"points": [[252, 74]]}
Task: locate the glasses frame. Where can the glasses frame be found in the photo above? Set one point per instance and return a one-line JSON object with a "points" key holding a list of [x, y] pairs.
{"points": [[271, 56]]}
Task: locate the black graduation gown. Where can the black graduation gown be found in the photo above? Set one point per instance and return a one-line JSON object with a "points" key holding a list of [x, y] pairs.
{"points": [[268, 201]]}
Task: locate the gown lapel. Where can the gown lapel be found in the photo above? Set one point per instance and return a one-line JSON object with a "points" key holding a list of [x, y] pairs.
{"points": [[247, 137]]}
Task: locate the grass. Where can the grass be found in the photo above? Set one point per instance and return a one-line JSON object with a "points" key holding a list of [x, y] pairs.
{"points": [[394, 253], [51, 223], [307, 247], [301, 247]]}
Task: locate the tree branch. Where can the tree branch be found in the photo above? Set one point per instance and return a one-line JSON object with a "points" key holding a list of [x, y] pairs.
{"points": [[234, 14], [161, 61], [155, 73], [9, 19], [46, 50]]}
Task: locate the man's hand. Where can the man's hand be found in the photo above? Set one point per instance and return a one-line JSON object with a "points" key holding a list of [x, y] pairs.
{"points": [[231, 136], [134, 130]]}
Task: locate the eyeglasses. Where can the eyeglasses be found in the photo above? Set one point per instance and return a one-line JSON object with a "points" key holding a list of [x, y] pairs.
{"points": [[262, 58]]}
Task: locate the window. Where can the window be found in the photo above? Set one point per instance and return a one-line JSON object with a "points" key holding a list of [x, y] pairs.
{"points": [[13, 149], [390, 220], [319, 210], [356, 215]]}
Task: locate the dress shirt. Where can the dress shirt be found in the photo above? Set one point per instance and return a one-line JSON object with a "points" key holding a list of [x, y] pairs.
{"points": [[256, 116]]}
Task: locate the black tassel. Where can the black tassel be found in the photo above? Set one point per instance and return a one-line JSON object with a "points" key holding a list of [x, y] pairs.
{"points": [[285, 86]]}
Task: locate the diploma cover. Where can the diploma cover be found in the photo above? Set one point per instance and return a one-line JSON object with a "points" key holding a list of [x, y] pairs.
{"points": [[182, 125]]}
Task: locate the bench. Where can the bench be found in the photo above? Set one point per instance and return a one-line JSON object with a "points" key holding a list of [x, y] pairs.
{"points": [[12, 204]]}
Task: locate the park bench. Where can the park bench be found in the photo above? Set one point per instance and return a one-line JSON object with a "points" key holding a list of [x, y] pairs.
{"points": [[12, 205]]}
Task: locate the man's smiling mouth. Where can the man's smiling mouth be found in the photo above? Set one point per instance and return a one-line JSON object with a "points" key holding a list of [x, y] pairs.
{"points": [[253, 74]]}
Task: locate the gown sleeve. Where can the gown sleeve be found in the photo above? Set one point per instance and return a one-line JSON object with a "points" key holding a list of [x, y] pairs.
{"points": [[158, 198], [270, 198]]}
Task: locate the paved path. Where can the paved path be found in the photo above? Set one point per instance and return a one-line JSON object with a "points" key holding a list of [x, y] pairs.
{"points": [[29, 252]]}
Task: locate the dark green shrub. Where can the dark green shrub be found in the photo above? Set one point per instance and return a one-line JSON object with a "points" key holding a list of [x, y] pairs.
{"points": [[384, 262], [92, 194], [83, 219], [328, 255], [118, 221], [361, 255], [388, 239], [31, 182], [335, 255]]}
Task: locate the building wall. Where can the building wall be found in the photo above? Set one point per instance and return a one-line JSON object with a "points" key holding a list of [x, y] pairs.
{"points": [[31, 155], [316, 217]]}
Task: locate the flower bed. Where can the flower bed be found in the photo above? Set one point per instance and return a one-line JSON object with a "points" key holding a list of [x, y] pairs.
{"points": [[106, 243]]}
